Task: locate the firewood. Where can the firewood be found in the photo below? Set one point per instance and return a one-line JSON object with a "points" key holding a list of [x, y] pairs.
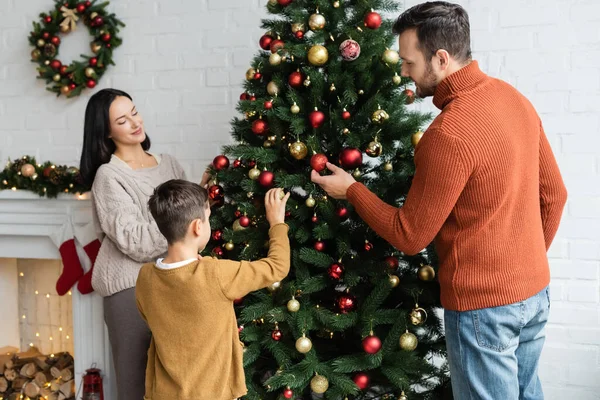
{"points": [[41, 363], [55, 385], [28, 370], [67, 374], [10, 374], [55, 372], [53, 396], [14, 396], [32, 390], [18, 383], [3, 384], [61, 396], [45, 392], [42, 378], [68, 388], [9, 363]]}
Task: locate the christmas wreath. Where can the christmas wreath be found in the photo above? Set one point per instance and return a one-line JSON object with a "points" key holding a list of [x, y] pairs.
{"points": [[70, 80]]}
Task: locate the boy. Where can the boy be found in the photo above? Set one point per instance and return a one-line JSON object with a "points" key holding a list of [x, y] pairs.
{"points": [[195, 352]]}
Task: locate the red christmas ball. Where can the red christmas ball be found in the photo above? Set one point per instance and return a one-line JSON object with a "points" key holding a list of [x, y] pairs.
{"points": [[80, 8], [368, 246], [93, 62], [288, 393], [315, 219], [245, 221], [318, 162], [346, 303], [371, 344], [265, 42], [350, 158], [221, 162], [218, 251], [106, 37], [346, 115], [48, 19], [217, 235], [392, 262], [335, 271], [350, 50], [276, 45], [252, 98], [237, 213], [299, 34], [216, 192], [342, 212], [361, 380], [237, 163], [98, 21], [108, 45], [237, 302], [72, 86], [319, 245], [257, 76], [296, 79], [47, 171], [266, 179], [410, 96], [88, 3], [63, 70], [276, 335], [268, 105], [241, 327], [316, 119], [259, 127], [288, 214], [251, 163], [244, 96], [45, 35], [55, 64], [91, 83], [373, 20], [284, 3]]}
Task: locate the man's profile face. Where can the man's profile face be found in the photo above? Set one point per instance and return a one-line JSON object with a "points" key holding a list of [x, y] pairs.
{"points": [[415, 66]]}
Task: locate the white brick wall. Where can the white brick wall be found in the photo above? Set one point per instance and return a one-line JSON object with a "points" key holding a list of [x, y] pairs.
{"points": [[184, 61]]}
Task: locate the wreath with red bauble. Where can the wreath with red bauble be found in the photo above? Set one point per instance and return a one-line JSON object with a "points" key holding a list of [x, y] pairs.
{"points": [[70, 80]]}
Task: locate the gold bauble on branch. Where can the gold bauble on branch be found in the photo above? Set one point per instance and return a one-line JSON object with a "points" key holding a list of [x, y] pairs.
{"points": [[380, 116], [388, 167], [426, 273], [36, 54], [56, 78], [303, 344], [65, 90], [394, 281], [89, 72], [397, 79], [319, 384], [293, 305], [402, 396], [272, 89], [254, 173], [66, 28], [27, 170], [316, 22], [41, 43], [274, 286], [236, 226], [274, 59], [374, 148], [408, 341], [310, 202], [298, 27], [229, 246], [336, 4], [357, 174], [250, 74], [294, 109], [298, 150], [418, 316], [95, 47], [416, 138], [267, 144], [318, 55], [390, 57]]}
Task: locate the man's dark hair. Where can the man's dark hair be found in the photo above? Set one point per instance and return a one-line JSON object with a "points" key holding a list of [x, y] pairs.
{"points": [[439, 25], [174, 205]]}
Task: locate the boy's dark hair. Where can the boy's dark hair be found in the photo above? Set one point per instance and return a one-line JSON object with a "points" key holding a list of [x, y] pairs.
{"points": [[174, 205], [439, 25]]}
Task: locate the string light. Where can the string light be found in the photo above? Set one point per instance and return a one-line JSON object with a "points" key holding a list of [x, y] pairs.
{"points": [[24, 316], [70, 293], [37, 334], [47, 295], [60, 329], [36, 292], [21, 274]]}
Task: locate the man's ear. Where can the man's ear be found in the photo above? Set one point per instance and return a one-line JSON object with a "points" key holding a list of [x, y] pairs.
{"points": [[443, 59]]}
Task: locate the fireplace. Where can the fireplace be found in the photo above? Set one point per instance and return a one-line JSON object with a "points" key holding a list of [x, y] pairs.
{"points": [[44, 320]]}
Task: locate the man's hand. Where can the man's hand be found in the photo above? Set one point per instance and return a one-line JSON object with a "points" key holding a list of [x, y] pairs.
{"points": [[337, 184]]}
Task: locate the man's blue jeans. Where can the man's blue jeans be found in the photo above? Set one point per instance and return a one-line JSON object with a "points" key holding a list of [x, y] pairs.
{"points": [[494, 352]]}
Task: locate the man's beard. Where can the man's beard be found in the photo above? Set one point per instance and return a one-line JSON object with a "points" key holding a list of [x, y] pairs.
{"points": [[427, 87]]}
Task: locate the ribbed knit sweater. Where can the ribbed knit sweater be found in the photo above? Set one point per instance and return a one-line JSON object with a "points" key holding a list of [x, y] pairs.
{"points": [[486, 189], [130, 236]]}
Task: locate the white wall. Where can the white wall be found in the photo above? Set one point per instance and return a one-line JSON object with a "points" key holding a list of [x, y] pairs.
{"points": [[184, 61]]}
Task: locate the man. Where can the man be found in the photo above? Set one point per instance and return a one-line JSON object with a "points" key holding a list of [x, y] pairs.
{"points": [[488, 189]]}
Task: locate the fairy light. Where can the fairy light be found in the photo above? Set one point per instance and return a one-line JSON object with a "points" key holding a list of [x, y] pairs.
{"points": [[21, 274], [60, 329], [68, 337], [36, 292], [70, 293], [47, 295], [37, 334], [24, 316]]}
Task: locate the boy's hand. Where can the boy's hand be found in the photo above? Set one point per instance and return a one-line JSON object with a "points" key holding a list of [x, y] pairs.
{"points": [[275, 206]]}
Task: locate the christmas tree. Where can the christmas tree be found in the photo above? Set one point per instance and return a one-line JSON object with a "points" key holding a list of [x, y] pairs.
{"points": [[355, 318]]}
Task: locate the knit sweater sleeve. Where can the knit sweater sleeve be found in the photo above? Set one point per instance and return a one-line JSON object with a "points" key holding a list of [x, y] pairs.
{"points": [[553, 193], [237, 279], [122, 221], [442, 171]]}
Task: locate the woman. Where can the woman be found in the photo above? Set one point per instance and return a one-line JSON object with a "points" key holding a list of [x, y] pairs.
{"points": [[123, 174]]}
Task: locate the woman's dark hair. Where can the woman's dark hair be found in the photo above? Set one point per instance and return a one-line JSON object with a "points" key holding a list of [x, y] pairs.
{"points": [[97, 146]]}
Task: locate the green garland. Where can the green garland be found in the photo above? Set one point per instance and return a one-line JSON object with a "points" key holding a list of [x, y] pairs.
{"points": [[47, 179], [70, 80]]}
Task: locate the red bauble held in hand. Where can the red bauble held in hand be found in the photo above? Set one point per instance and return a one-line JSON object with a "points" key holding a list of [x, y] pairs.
{"points": [[216, 192], [318, 162]]}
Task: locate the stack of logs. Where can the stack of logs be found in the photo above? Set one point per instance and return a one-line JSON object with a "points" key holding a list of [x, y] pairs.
{"points": [[37, 376]]}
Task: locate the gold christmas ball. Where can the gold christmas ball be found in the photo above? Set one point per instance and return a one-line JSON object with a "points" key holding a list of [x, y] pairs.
{"points": [[27, 170], [390, 57], [357, 174], [65, 28], [397, 80], [298, 150], [295, 109], [250, 74], [272, 138], [307, 82], [332, 88], [380, 116], [408, 341], [236, 226], [418, 316], [65, 90], [336, 4], [89, 72], [319, 384], [388, 167], [293, 305], [41, 43], [229, 246], [402, 396], [56, 78], [93, 15], [298, 27], [72, 170], [272, 88], [316, 22], [272, 2], [394, 281], [47, 62], [95, 47], [374, 149], [303, 344], [274, 286], [249, 114], [35, 54], [254, 173], [274, 59], [416, 138], [34, 177], [318, 55], [267, 144], [310, 202], [345, 131], [426, 273]]}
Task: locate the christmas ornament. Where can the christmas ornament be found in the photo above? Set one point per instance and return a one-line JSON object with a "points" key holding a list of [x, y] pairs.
{"points": [[318, 55], [220, 162], [310, 201], [316, 22], [49, 50], [368, 245], [396, 79], [95, 47], [294, 109], [342, 212], [318, 162], [392, 263], [277, 45], [402, 396], [410, 96], [394, 281], [372, 20], [418, 316], [288, 393], [390, 57], [65, 90], [276, 334], [106, 37], [284, 3], [216, 193], [257, 77], [272, 88], [218, 251], [332, 88], [254, 173], [307, 81], [298, 150], [266, 179], [98, 21], [298, 27], [36, 54], [55, 40], [274, 59], [274, 286], [346, 303], [89, 72], [374, 148], [80, 8], [319, 384], [316, 118], [55, 64], [350, 158], [426, 273], [295, 79], [371, 344], [293, 305], [388, 167], [379, 116], [265, 42], [299, 34], [346, 114], [250, 74], [335, 271], [357, 174], [229, 246], [361, 380], [408, 341], [319, 245], [268, 104], [244, 221], [27, 170], [217, 235], [303, 344], [336, 4], [260, 127], [237, 163], [90, 84], [350, 50], [416, 138], [56, 78], [314, 218]]}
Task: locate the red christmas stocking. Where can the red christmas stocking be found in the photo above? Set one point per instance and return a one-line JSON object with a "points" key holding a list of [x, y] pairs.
{"points": [[72, 271], [86, 236]]}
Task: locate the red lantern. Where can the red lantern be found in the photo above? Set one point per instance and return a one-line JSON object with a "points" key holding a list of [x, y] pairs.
{"points": [[259, 127], [266, 179], [92, 385], [350, 158], [295, 79], [335, 271], [318, 162], [371, 344], [316, 118], [221, 162], [361, 380], [373, 20], [265, 42]]}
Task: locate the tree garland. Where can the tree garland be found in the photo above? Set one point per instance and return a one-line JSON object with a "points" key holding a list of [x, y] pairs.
{"points": [[47, 179], [70, 80]]}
